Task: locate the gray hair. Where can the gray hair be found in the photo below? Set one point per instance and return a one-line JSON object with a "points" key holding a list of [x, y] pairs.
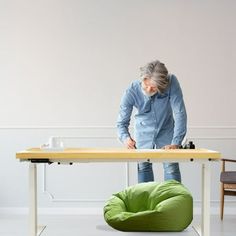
{"points": [[157, 72]]}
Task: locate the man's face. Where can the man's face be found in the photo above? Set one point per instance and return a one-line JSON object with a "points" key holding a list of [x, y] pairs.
{"points": [[149, 87]]}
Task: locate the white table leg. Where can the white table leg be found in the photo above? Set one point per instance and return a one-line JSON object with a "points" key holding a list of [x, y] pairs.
{"points": [[34, 229], [206, 187], [32, 199]]}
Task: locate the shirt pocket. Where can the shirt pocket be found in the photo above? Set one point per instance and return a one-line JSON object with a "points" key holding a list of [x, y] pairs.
{"points": [[144, 120]]}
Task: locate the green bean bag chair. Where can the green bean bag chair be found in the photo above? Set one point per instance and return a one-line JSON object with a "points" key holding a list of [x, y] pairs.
{"points": [[167, 206]]}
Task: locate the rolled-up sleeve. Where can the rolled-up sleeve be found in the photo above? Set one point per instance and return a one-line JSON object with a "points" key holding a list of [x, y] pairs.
{"points": [[179, 112], [123, 121]]}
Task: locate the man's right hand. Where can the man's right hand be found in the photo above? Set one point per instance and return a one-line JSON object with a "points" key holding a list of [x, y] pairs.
{"points": [[130, 143]]}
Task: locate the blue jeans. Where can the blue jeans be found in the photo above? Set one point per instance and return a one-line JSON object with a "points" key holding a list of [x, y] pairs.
{"points": [[145, 172]]}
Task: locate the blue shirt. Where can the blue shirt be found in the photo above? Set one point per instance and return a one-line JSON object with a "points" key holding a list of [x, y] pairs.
{"points": [[160, 120]]}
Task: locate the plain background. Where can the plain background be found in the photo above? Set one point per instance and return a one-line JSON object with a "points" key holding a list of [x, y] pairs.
{"points": [[64, 66]]}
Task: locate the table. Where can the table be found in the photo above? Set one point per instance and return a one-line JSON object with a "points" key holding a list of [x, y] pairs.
{"points": [[35, 156]]}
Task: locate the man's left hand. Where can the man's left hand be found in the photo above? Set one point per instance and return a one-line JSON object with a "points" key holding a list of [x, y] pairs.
{"points": [[172, 146]]}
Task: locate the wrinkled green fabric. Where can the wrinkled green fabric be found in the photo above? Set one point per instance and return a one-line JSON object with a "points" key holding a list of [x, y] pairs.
{"points": [[167, 206]]}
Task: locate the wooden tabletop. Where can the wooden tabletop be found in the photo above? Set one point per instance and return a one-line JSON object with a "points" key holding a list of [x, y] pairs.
{"points": [[116, 153]]}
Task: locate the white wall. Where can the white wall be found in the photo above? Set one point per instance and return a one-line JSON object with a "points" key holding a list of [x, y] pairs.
{"points": [[66, 64]]}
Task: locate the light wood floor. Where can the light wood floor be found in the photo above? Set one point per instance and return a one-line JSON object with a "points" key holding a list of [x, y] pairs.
{"points": [[94, 225]]}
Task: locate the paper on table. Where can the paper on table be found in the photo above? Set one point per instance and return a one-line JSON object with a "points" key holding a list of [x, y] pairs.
{"points": [[150, 150], [52, 149]]}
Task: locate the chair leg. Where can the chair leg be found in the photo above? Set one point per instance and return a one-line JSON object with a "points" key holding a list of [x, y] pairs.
{"points": [[222, 202]]}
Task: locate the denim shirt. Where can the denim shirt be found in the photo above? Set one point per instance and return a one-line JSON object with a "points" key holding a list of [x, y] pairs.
{"points": [[160, 120]]}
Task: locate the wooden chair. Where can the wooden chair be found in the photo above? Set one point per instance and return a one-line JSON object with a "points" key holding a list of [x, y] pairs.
{"points": [[228, 184]]}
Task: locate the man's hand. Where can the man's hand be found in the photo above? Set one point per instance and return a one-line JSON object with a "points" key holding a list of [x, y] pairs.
{"points": [[172, 146], [130, 143]]}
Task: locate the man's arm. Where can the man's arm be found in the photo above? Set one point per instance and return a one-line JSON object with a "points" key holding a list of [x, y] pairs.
{"points": [[179, 112], [123, 121]]}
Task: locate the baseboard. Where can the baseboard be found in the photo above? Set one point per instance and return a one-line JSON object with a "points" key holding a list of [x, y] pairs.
{"points": [[52, 211], [93, 211], [229, 208]]}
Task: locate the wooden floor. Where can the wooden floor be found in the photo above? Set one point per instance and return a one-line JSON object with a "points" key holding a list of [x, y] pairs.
{"points": [[94, 225]]}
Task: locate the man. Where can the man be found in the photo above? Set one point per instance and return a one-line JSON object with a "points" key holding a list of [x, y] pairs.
{"points": [[160, 120]]}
